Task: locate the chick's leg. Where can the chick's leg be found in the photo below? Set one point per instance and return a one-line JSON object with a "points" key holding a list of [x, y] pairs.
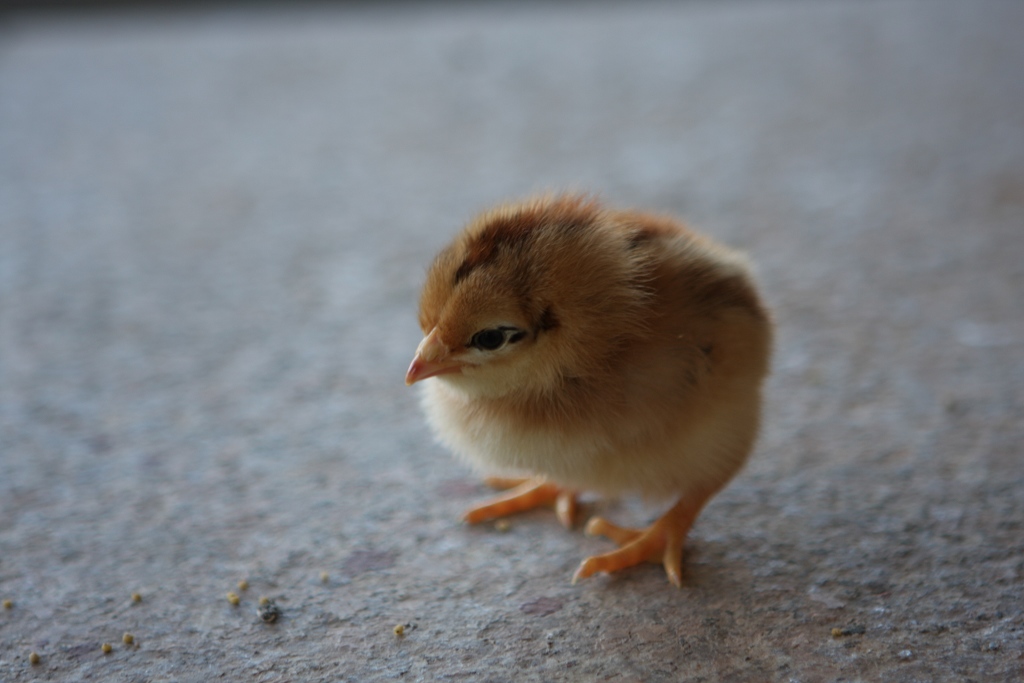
{"points": [[524, 494], [661, 542]]}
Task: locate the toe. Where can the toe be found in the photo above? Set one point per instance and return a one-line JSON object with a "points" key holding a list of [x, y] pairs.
{"points": [[565, 508], [599, 526]]}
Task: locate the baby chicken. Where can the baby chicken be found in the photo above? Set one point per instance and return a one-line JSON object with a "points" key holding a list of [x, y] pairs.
{"points": [[594, 350]]}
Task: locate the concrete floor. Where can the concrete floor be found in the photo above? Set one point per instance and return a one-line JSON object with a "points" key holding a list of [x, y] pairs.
{"points": [[213, 228]]}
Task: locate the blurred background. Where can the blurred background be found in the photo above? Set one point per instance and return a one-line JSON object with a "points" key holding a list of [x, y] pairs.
{"points": [[214, 223]]}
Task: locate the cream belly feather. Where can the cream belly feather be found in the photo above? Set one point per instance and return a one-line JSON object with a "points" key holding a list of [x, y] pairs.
{"points": [[691, 457]]}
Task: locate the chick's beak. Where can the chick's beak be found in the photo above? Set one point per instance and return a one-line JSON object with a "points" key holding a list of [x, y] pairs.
{"points": [[432, 359]]}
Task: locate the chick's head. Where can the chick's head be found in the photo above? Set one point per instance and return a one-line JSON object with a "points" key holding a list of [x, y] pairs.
{"points": [[529, 296]]}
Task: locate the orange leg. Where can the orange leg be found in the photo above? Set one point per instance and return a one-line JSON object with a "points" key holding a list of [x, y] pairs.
{"points": [[661, 542], [524, 494]]}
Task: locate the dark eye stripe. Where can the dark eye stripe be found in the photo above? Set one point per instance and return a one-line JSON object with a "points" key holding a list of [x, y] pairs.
{"points": [[512, 334], [494, 338], [488, 340]]}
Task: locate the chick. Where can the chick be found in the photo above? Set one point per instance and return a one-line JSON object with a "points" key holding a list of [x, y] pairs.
{"points": [[594, 349]]}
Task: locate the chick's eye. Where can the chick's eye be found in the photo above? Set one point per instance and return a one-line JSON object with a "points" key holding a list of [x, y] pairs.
{"points": [[488, 340]]}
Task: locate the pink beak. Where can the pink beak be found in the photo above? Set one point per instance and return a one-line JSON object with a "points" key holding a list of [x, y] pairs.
{"points": [[431, 360]]}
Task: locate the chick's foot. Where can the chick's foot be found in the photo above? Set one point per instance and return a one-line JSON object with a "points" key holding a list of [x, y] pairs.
{"points": [[523, 495], [662, 542]]}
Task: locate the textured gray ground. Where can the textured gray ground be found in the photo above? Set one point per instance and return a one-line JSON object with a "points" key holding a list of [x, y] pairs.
{"points": [[213, 227]]}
